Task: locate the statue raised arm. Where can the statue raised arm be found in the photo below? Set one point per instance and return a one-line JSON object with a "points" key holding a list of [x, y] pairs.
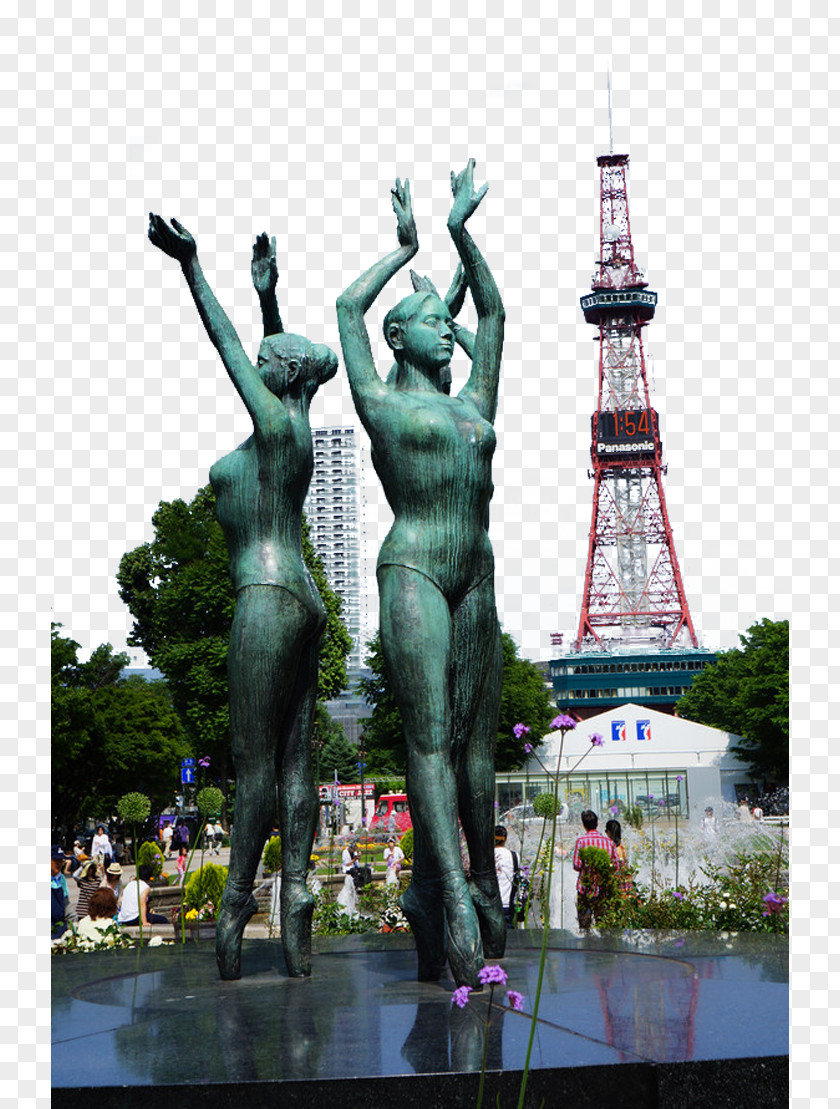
{"points": [[279, 617], [440, 635]]}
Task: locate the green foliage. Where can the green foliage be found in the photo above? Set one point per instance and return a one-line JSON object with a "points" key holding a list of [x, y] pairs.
{"points": [[597, 868], [336, 754], [329, 919], [731, 898], [382, 733], [133, 808], [407, 845], [179, 592], [272, 857], [109, 939], [151, 855], [389, 785], [545, 805], [206, 884], [747, 692], [525, 699], [110, 735], [633, 816], [209, 800]]}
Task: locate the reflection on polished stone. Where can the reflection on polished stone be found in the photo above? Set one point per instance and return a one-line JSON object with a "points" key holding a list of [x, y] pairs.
{"points": [[165, 1017]]}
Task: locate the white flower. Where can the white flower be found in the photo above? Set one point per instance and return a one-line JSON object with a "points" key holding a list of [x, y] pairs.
{"points": [[723, 904], [155, 941]]}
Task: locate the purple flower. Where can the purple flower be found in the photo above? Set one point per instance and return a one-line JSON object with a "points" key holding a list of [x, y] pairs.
{"points": [[614, 810], [204, 762], [651, 797], [596, 739], [515, 1000], [774, 903], [562, 721], [519, 730], [678, 895], [528, 748], [660, 802], [491, 975], [679, 777], [461, 996]]}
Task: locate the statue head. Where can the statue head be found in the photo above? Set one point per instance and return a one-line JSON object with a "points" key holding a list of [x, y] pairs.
{"points": [[289, 363], [419, 330]]}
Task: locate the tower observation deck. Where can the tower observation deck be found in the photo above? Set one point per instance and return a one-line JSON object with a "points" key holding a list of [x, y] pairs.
{"points": [[633, 595]]}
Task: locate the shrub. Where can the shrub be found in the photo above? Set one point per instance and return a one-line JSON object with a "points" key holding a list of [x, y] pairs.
{"points": [[272, 857], [544, 805], [207, 884], [151, 855], [407, 845]]}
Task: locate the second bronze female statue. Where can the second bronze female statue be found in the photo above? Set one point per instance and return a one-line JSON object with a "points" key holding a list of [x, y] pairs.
{"points": [[439, 629]]}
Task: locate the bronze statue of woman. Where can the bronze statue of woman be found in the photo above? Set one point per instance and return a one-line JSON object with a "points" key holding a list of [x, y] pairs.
{"points": [[279, 618], [438, 625]]}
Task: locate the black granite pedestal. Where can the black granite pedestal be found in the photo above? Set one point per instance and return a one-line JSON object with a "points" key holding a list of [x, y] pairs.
{"points": [[644, 1020]]}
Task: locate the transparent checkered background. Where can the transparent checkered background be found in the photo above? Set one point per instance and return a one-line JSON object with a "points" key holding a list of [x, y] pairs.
{"points": [[239, 123]]}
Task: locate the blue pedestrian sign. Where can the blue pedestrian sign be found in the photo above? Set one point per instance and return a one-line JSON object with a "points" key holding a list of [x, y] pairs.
{"points": [[187, 762], [187, 776]]}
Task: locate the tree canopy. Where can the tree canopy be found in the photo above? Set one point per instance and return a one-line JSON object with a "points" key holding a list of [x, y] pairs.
{"points": [[746, 691], [178, 590], [525, 700], [109, 735]]}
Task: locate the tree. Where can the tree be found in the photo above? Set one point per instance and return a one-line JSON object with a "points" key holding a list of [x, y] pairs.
{"points": [[525, 700], [336, 755], [746, 691], [178, 590], [109, 734]]}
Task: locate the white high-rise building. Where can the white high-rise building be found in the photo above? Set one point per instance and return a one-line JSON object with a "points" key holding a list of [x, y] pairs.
{"points": [[334, 510]]}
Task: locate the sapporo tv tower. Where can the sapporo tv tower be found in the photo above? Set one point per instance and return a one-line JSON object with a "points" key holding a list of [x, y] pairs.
{"points": [[633, 591]]}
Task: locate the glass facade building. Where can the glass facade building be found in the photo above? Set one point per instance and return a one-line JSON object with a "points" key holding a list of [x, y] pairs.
{"points": [[587, 683]]}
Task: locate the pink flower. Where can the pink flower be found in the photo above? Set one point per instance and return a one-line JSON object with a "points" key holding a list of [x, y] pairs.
{"points": [[562, 721], [204, 762], [461, 996], [515, 1000], [519, 730], [596, 739], [528, 748], [491, 975]]}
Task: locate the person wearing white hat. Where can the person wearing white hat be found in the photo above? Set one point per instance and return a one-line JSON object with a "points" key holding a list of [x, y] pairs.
{"points": [[113, 880]]}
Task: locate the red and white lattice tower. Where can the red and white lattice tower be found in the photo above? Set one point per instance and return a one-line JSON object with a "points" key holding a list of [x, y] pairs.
{"points": [[633, 592]]}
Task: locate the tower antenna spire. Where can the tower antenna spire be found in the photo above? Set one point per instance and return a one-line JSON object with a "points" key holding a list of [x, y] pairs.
{"points": [[609, 106]]}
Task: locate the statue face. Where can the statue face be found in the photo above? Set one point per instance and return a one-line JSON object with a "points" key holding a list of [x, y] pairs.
{"points": [[427, 338]]}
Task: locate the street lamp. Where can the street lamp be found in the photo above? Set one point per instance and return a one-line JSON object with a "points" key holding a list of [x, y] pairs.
{"points": [[361, 765]]}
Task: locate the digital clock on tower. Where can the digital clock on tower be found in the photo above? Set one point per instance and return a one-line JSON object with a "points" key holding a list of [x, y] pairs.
{"points": [[626, 431]]}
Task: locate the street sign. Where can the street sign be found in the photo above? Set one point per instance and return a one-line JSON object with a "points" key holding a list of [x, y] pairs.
{"points": [[187, 776], [187, 762]]}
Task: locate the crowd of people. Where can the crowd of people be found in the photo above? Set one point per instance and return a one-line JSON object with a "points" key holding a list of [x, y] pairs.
{"points": [[103, 898]]}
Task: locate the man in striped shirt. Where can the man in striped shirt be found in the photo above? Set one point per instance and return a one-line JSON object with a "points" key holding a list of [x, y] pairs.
{"points": [[587, 883]]}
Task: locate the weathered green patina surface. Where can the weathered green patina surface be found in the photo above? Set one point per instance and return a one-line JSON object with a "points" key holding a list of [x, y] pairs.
{"points": [[279, 620], [438, 622]]}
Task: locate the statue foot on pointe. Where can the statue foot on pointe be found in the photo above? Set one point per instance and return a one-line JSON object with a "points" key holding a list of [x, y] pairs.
{"points": [[296, 907], [234, 914], [464, 938], [423, 909], [484, 890]]}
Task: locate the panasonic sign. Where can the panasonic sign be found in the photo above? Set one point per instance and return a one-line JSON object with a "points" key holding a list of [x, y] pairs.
{"points": [[646, 447]]}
